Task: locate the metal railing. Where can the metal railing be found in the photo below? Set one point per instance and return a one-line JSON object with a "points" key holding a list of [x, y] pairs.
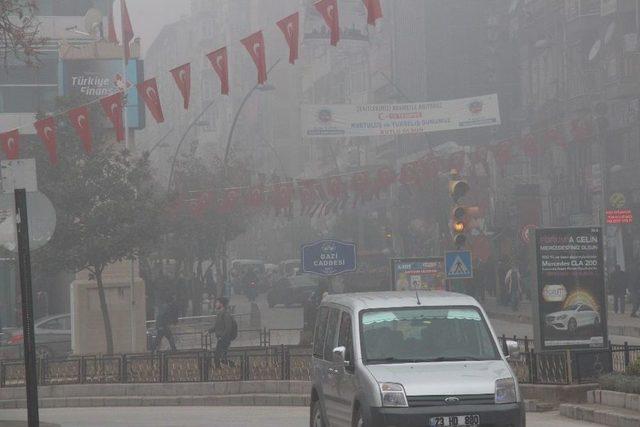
{"points": [[270, 363], [291, 362]]}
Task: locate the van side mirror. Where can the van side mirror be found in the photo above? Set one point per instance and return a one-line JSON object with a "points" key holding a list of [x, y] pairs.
{"points": [[338, 355], [513, 349]]}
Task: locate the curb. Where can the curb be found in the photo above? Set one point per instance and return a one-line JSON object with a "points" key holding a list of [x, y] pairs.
{"points": [[138, 401]]}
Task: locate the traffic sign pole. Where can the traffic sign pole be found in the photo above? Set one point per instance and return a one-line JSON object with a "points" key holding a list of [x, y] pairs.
{"points": [[24, 262]]}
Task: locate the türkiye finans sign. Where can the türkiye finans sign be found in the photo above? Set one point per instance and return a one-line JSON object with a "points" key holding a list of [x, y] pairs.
{"points": [[329, 257]]}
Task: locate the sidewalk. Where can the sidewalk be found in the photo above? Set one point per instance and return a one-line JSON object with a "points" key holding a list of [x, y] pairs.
{"points": [[619, 324]]}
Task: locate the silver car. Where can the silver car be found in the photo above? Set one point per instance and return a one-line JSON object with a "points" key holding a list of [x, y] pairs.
{"points": [[53, 338], [410, 359]]}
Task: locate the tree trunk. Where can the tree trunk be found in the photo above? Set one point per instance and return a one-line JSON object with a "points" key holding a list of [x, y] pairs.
{"points": [[105, 312]]}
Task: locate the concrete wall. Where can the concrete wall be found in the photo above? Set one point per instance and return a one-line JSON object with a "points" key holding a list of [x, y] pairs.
{"points": [[88, 335]]}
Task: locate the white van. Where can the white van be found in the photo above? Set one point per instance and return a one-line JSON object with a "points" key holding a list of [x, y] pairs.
{"points": [[407, 359]]}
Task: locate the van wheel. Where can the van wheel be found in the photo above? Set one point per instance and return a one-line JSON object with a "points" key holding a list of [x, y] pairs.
{"points": [[317, 420], [358, 421]]}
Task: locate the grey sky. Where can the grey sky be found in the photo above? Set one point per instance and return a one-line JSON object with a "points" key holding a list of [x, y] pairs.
{"points": [[149, 16]]}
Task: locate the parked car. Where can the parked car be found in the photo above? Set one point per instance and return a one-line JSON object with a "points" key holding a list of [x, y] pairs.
{"points": [[410, 359], [53, 337], [292, 290], [574, 317], [289, 267]]}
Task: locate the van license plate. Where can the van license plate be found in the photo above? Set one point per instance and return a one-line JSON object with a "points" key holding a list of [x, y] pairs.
{"points": [[455, 420]]}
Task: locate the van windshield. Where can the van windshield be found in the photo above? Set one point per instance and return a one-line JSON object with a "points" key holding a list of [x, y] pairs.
{"points": [[425, 334]]}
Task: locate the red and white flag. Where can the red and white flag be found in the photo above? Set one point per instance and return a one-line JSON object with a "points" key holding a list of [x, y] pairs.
{"points": [[79, 118], [220, 63], [182, 76], [329, 11], [111, 36], [290, 27], [46, 130], [11, 144], [255, 197], [255, 46], [374, 11], [127, 30], [230, 200], [148, 91], [112, 106]]}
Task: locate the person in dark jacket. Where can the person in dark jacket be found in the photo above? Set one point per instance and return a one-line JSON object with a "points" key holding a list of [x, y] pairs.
{"points": [[167, 315], [223, 329], [618, 286]]}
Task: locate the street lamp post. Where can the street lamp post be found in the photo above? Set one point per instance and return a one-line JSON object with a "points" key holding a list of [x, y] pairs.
{"points": [[225, 164]]}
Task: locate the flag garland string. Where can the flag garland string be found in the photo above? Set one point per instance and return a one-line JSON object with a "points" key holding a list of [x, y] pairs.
{"points": [[114, 104]]}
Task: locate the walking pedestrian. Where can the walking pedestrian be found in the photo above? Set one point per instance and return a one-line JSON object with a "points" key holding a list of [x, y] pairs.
{"points": [[167, 316], [618, 286], [513, 285], [225, 329], [634, 289]]}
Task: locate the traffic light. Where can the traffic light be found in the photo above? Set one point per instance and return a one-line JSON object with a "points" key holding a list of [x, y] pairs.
{"points": [[460, 215], [388, 235]]}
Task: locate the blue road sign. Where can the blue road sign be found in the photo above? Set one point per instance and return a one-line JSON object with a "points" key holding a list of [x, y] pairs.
{"points": [[329, 257], [458, 265]]}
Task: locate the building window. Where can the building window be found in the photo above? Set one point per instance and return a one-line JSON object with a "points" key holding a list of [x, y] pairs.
{"points": [[46, 72], [27, 99]]}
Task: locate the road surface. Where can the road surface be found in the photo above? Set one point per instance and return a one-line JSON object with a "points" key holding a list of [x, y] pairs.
{"points": [[212, 417]]}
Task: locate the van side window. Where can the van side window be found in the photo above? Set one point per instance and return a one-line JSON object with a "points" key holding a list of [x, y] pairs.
{"points": [[346, 337], [332, 334], [321, 328]]}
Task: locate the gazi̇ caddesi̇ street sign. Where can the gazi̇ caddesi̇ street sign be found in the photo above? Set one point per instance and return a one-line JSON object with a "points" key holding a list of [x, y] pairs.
{"points": [[329, 257]]}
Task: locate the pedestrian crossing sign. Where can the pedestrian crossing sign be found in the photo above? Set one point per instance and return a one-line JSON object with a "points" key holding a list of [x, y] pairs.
{"points": [[458, 265]]}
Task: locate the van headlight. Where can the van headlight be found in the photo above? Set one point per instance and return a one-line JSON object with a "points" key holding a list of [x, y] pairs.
{"points": [[393, 395], [505, 391]]}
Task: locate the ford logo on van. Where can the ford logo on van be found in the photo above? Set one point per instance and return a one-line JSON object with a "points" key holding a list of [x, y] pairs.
{"points": [[452, 400]]}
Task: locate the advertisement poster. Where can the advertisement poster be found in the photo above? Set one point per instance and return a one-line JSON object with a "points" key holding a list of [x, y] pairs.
{"points": [[97, 78], [338, 121], [571, 298], [417, 273]]}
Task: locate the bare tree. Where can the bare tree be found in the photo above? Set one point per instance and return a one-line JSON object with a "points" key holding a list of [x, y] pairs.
{"points": [[19, 31]]}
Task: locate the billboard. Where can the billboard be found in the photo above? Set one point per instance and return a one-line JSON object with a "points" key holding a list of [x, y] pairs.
{"points": [[570, 307], [339, 121], [97, 78], [417, 273], [329, 257]]}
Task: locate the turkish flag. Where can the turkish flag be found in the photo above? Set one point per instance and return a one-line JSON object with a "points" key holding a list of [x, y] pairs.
{"points": [[336, 188], [409, 174], [220, 63], [554, 136], [255, 197], [182, 76], [112, 37], [374, 11], [502, 153], [230, 200], [530, 146], [112, 106], [329, 11], [308, 196], [281, 196], [290, 27], [361, 186], [46, 130], [385, 178], [127, 30], [202, 203], [148, 91], [79, 118], [11, 144], [255, 46]]}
